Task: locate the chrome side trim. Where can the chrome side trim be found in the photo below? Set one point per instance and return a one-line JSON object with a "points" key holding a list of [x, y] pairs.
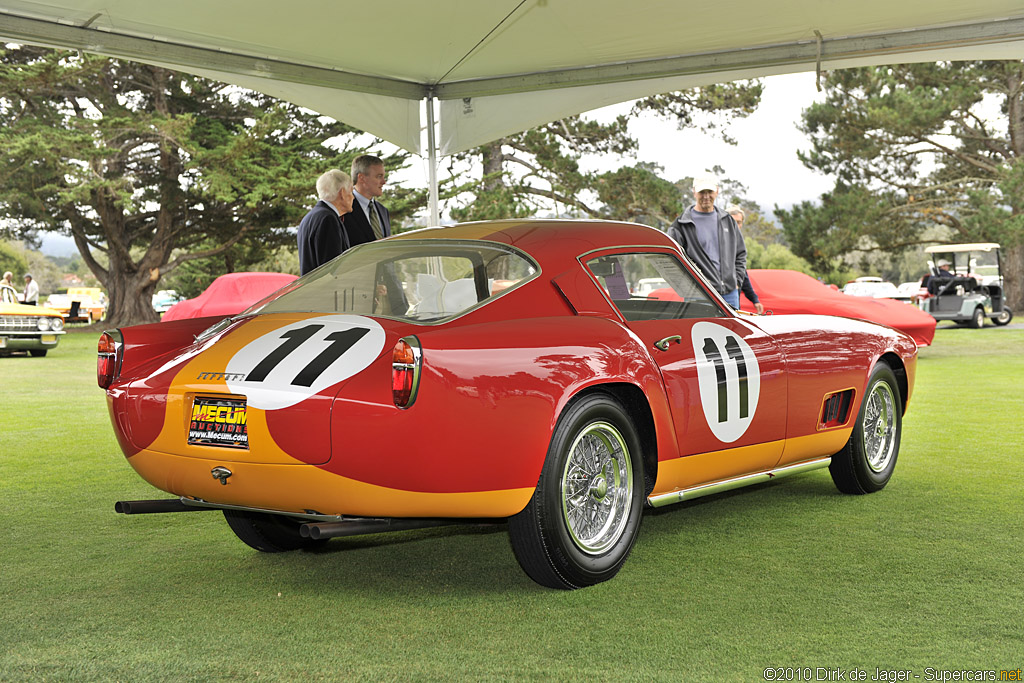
{"points": [[664, 499]]}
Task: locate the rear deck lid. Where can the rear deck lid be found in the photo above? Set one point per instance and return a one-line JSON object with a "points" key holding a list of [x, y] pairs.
{"points": [[263, 393]]}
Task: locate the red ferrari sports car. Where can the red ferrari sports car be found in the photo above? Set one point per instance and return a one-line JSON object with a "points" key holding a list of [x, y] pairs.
{"points": [[498, 370]]}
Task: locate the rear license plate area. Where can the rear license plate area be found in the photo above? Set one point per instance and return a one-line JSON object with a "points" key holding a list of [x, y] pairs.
{"points": [[218, 421]]}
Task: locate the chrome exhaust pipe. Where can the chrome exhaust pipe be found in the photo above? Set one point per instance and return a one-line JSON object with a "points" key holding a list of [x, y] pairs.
{"points": [[359, 527], [143, 507]]}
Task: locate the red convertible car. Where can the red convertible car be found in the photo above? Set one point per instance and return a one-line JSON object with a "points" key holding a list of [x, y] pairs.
{"points": [[498, 370]]}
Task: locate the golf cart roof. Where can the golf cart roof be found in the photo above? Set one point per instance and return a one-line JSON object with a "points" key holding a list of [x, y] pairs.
{"points": [[947, 248]]}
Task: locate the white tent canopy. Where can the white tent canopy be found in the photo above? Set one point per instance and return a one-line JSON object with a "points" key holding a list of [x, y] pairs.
{"points": [[502, 66]]}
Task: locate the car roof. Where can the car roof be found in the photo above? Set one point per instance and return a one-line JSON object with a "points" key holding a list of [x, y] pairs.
{"points": [[547, 239]]}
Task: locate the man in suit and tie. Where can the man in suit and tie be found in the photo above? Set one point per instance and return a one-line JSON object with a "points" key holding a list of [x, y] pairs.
{"points": [[321, 234], [369, 219]]}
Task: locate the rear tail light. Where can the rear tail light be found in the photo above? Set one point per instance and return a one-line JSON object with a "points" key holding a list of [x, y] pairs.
{"points": [[405, 371], [108, 357]]}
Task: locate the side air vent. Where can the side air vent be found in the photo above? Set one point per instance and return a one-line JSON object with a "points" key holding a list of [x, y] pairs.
{"points": [[835, 410]]}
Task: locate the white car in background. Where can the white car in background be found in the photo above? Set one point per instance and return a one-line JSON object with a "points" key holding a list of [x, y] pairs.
{"points": [[874, 287], [646, 285]]}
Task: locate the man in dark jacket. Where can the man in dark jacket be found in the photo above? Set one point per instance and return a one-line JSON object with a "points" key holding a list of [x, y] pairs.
{"points": [[321, 235], [712, 241], [368, 220]]}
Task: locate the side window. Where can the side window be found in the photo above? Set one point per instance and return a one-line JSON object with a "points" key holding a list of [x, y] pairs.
{"points": [[652, 286]]}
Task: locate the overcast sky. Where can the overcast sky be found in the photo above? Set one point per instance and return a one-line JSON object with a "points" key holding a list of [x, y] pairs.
{"points": [[765, 157]]}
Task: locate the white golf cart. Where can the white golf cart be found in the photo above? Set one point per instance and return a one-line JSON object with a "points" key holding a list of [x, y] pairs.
{"points": [[965, 285]]}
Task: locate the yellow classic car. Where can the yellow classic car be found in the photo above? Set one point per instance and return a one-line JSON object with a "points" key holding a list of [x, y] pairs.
{"points": [[79, 305], [35, 329]]}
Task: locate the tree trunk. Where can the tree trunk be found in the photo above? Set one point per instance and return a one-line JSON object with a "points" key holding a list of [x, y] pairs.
{"points": [[131, 298], [1013, 278], [492, 158]]}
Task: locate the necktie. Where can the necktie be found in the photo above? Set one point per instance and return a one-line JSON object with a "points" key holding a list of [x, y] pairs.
{"points": [[375, 221]]}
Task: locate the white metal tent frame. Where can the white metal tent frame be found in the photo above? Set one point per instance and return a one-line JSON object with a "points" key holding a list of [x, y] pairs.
{"points": [[493, 102]]}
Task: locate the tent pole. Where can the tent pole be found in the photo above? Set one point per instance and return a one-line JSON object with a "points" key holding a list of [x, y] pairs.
{"points": [[435, 213]]}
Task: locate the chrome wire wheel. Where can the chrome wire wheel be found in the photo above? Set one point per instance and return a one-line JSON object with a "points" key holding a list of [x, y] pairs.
{"points": [[597, 488], [584, 516], [879, 426], [866, 463]]}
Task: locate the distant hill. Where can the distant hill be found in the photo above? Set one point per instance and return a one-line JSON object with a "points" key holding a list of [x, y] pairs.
{"points": [[54, 244]]}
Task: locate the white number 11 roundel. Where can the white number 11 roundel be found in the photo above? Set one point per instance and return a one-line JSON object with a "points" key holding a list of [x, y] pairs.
{"points": [[729, 379], [301, 359]]}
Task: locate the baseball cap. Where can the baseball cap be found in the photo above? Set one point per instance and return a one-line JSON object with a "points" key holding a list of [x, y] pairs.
{"points": [[942, 262], [705, 182]]}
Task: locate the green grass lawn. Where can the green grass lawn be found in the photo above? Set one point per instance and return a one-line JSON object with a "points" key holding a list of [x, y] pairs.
{"points": [[926, 573]]}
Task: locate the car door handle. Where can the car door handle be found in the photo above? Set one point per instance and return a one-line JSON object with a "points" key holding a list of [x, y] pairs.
{"points": [[662, 344]]}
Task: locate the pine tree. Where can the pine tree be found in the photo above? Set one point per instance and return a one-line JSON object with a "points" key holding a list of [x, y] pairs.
{"points": [[147, 168], [916, 146]]}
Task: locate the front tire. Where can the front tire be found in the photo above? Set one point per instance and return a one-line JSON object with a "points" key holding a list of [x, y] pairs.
{"points": [[1004, 317], [978, 319], [268, 533], [583, 519], [867, 461]]}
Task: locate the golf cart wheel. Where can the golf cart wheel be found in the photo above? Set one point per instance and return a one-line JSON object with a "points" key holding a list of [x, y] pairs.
{"points": [[268, 533], [1004, 317], [582, 521], [867, 461], [978, 319]]}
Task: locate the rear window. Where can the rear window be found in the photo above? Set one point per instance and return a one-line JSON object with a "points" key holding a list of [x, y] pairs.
{"points": [[415, 280]]}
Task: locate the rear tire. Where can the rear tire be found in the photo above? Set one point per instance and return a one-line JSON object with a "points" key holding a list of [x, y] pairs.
{"points": [[867, 461], [1004, 317], [978, 319], [583, 519], [268, 533], [38, 353]]}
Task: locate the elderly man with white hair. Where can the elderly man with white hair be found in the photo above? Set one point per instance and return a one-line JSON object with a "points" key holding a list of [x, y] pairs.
{"points": [[321, 234], [712, 240]]}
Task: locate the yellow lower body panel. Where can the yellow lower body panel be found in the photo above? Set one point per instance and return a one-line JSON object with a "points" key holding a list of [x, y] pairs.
{"points": [[300, 488], [693, 471]]}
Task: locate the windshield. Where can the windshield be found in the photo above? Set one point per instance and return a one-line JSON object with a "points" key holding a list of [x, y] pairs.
{"points": [[982, 264], [416, 280]]}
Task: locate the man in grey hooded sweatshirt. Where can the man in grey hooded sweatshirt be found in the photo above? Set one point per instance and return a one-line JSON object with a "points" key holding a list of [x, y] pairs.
{"points": [[712, 240]]}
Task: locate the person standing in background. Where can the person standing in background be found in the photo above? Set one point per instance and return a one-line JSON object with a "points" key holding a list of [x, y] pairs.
{"points": [[712, 241], [321, 234], [746, 288], [31, 290], [369, 220]]}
